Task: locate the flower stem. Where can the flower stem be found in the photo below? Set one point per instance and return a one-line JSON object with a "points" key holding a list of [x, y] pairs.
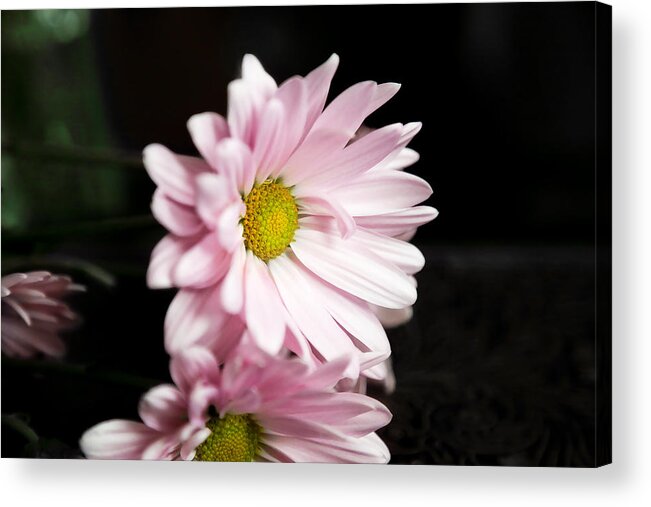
{"points": [[89, 228], [20, 426], [74, 155], [58, 263]]}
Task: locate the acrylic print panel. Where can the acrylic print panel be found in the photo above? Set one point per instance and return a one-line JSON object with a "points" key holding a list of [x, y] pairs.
{"points": [[220, 240]]}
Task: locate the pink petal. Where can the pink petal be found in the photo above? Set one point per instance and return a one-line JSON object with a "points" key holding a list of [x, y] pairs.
{"points": [[235, 162], [241, 111], [356, 158], [394, 223], [409, 131], [9, 281], [325, 407], [247, 403], [307, 310], [262, 306], [393, 318], [293, 96], [164, 258], [407, 235], [203, 264], [191, 365], [116, 439], [22, 313], [400, 253], [353, 269], [383, 93], [255, 75], [201, 397], [229, 229], [15, 347], [174, 174], [177, 218], [189, 447], [29, 340], [243, 371], [270, 139], [223, 343], [318, 84], [329, 207], [404, 158], [232, 288], [318, 149], [353, 315], [214, 193], [368, 449], [378, 192], [348, 110], [162, 408], [165, 447], [351, 413], [374, 361], [296, 341], [296, 427], [206, 130], [192, 315], [327, 375]]}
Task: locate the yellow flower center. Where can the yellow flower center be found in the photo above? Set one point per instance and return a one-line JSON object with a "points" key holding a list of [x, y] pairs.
{"points": [[270, 221], [234, 437]]}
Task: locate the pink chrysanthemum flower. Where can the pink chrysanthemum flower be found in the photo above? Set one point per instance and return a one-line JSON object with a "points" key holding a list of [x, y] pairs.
{"points": [[255, 407], [33, 313], [285, 221]]}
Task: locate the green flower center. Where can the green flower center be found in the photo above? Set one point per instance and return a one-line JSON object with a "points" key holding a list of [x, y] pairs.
{"points": [[270, 221], [234, 437]]}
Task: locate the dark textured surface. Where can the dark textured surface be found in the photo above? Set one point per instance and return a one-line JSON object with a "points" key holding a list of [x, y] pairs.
{"points": [[497, 367]]}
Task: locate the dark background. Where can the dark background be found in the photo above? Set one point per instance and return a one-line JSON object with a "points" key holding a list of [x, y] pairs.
{"points": [[498, 364]]}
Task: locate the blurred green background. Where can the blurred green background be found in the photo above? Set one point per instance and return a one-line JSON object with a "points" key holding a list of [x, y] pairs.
{"points": [[52, 103]]}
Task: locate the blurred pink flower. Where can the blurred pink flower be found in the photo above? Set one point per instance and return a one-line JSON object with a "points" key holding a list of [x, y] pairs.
{"points": [[33, 313], [255, 407], [287, 223]]}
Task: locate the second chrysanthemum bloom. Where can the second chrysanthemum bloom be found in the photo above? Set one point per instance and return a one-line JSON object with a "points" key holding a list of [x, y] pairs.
{"points": [[285, 222], [253, 407]]}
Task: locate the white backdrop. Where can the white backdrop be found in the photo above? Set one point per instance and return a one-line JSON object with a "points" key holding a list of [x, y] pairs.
{"points": [[627, 482]]}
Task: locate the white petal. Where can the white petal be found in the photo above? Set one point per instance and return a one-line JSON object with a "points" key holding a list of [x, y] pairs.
{"points": [[175, 174], [315, 153], [378, 192], [116, 439], [232, 289], [307, 310], [403, 159], [353, 269], [356, 158], [177, 218], [293, 96], [318, 84], [202, 265], [400, 253], [398, 222], [353, 315], [164, 258], [235, 162], [206, 130], [192, 315], [315, 205], [262, 306], [258, 78], [271, 136]]}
